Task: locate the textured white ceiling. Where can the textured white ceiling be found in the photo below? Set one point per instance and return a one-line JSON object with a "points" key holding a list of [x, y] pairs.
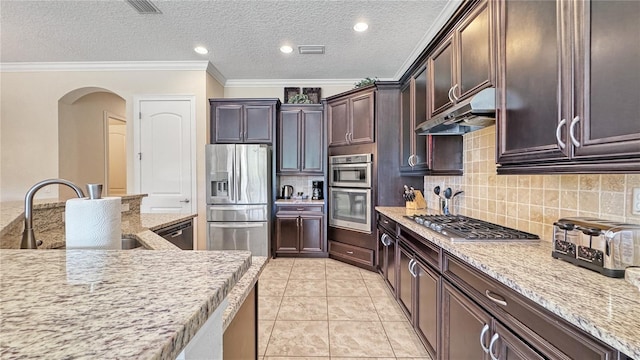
{"points": [[243, 37]]}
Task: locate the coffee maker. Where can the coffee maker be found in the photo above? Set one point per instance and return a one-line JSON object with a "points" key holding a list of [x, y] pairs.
{"points": [[317, 192]]}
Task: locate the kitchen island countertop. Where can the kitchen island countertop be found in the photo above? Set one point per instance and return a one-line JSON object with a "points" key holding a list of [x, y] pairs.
{"points": [[103, 304], [606, 308]]}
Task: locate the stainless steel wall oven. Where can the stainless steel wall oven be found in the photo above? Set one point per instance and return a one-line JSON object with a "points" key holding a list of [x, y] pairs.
{"points": [[350, 192]]}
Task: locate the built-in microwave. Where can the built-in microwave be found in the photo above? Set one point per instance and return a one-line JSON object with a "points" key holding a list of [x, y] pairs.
{"points": [[352, 171]]}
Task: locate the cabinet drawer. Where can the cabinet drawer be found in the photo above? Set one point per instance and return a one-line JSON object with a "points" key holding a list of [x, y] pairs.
{"points": [[431, 253], [541, 328], [353, 253], [387, 223], [299, 208]]}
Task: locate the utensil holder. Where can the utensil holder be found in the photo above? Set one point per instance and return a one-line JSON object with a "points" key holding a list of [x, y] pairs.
{"points": [[418, 203]]}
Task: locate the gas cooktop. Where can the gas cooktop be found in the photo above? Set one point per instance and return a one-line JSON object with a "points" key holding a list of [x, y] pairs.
{"points": [[465, 229]]}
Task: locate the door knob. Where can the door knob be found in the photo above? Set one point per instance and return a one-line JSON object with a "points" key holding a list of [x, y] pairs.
{"points": [[185, 201]]}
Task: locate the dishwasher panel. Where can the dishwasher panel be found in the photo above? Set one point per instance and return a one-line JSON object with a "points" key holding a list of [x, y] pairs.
{"points": [[180, 235]]}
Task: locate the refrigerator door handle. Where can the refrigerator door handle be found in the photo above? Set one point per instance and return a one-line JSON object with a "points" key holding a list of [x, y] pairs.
{"points": [[239, 178], [236, 226]]}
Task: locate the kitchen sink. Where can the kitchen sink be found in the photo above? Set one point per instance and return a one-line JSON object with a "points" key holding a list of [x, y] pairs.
{"points": [[129, 243]]}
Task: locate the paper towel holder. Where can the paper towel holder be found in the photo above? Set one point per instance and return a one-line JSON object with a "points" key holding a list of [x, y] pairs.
{"points": [[28, 236], [94, 191]]}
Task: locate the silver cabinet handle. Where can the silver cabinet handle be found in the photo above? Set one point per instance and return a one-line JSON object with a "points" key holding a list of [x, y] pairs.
{"points": [[350, 252], [185, 201], [495, 298], [485, 328], [449, 94], [346, 137], [494, 338], [412, 264], [383, 239], [413, 269], [558, 132], [575, 141], [350, 137], [409, 160], [453, 93], [176, 234]]}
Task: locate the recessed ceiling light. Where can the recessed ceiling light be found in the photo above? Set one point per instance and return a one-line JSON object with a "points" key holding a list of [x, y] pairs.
{"points": [[360, 27], [286, 49], [201, 50]]}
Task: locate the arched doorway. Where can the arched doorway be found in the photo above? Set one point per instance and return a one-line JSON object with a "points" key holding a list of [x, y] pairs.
{"points": [[84, 116]]}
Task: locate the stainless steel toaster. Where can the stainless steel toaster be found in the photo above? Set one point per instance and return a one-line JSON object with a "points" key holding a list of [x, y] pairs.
{"points": [[608, 247]]}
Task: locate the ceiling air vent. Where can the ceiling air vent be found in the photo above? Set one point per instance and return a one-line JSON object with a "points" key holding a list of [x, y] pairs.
{"points": [[144, 7], [311, 49]]}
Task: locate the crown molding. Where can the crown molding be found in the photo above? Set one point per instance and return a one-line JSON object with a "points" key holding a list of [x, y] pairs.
{"points": [[257, 83], [213, 71], [105, 66], [442, 18]]}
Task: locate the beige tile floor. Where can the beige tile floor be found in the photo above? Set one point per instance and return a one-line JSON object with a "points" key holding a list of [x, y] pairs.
{"points": [[325, 309]]}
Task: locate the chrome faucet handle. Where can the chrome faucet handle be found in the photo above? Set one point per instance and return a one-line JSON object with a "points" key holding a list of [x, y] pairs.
{"points": [[28, 236]]}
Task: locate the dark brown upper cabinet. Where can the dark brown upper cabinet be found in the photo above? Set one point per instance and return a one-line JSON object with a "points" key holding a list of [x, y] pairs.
{"points": [[475, 50], [243, 120], [413, 110], [420, 154], [569, 103], [351, 117], [464, 62], [300, 139], [442, 77], [605, 122]]}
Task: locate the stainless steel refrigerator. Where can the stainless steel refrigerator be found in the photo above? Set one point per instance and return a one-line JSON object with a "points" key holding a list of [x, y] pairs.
{"points": [[238, 194]]}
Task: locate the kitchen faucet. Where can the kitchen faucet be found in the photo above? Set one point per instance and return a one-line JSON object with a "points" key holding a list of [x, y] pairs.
{"points": [[28, 236]]}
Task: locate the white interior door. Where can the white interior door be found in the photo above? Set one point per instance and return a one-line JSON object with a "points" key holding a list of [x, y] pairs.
{"points": [[165, 155]]}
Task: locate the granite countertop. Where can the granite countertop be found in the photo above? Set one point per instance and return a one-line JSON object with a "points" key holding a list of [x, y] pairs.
{"points": [[608, 309], [110, 304], [299, 201], [13, 211]]}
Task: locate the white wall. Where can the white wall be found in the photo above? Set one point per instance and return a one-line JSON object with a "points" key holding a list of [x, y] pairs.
{"points": [[29, 117], [81, 138], [236, 91]]}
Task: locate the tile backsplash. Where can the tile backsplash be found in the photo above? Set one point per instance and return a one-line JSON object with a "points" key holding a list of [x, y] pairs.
{"points": [[531, 202], [300, 183]]}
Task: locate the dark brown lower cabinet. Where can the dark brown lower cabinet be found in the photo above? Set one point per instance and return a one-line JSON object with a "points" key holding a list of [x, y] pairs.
{"points": [[480, 315], [240, 340], [387, 257], [463, 326], [405, 281], [427, 304], [469, 332], [299, 233], [418, 295], [460, 313]]}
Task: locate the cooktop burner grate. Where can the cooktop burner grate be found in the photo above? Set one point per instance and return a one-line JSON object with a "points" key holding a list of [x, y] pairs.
{"points": [[462, 228]]}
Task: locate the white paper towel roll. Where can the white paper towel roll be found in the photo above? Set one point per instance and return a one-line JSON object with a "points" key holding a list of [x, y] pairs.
{"points": [[93, 224]]}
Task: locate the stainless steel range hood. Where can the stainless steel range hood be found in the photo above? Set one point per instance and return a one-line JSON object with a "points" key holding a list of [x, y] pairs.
{"points": [[470, 115]]}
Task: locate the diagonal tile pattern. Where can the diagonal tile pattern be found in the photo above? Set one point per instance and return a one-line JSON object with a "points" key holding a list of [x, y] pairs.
{"points": [[322, 309]]}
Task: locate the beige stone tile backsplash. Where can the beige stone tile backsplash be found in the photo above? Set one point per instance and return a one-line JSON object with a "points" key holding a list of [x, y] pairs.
{"points": [[531, 202]]}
